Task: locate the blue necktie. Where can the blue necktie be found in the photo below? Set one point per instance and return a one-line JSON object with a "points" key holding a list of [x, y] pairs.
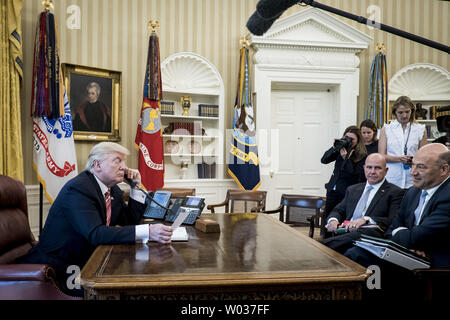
{"points": [[362, 204], [418, 211]]}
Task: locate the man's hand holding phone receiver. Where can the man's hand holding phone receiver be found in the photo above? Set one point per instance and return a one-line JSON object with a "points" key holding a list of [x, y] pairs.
{"points": [[157, 232], [132, 177]]}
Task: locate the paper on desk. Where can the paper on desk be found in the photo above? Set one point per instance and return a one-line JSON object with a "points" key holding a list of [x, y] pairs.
{"points": [[182, 215]]}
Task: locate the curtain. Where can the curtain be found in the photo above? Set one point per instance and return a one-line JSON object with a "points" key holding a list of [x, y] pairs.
{"points": [[11, 157]]}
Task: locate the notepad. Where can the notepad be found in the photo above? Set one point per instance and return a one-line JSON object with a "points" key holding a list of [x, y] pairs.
{"points": [[180, 234]]}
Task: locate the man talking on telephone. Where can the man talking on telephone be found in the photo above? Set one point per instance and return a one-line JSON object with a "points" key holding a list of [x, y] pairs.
{"points": [[87, 213]]}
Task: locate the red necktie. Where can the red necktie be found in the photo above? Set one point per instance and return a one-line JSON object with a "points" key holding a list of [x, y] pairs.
{"points": [[108, 207]]}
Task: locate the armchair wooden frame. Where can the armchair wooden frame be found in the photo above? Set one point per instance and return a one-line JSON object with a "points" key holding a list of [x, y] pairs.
{"points": [[180, 192], [242, 195], [299, 201]]}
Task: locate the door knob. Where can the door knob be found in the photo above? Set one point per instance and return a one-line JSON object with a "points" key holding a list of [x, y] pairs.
{"points": [[271, 173]]}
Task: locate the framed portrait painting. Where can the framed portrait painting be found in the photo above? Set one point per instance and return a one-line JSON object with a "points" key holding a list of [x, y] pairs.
{"points": [[95, 102]]}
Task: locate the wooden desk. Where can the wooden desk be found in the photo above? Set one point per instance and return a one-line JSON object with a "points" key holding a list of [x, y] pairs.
{"points": [[254, 256]]}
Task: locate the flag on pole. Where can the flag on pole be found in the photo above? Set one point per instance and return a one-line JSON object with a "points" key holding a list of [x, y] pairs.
{"points": [[149, 135], [377, 110], [54, 157], [243, 161]]}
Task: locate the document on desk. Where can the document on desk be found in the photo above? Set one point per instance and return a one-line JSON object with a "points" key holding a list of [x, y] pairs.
{"points": [[180, 233]]}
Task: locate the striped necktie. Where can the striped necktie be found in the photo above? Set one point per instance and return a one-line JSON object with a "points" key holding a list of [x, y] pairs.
{"points": [[418, 211], [108, 207]]}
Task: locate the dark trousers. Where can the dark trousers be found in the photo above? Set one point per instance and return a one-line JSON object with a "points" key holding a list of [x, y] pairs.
{"points": [[333, 199], [341, 243], [397, 283]]}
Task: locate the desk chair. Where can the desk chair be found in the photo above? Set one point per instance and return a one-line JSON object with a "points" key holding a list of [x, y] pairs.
{"points": [[176, 193], [242, 201], [180, 192], [21, 281], [312, 204]]}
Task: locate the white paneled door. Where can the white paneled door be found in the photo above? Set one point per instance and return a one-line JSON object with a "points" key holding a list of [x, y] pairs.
{"points": [[306, 122]]}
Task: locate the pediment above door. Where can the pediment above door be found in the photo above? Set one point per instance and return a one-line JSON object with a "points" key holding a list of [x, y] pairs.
{"points": [[308, 32]]}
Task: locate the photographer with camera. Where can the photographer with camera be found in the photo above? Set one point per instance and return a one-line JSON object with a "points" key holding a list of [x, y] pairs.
{"points": [[399, 141], [349, 154]]}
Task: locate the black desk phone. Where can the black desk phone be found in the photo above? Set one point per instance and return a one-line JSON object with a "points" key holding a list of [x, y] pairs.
{"points": [[193, 205], [153, 210]]}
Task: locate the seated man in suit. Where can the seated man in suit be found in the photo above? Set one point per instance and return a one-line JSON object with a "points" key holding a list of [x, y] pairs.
{"points": [[373, 203], [423, 223], [86, 212]]}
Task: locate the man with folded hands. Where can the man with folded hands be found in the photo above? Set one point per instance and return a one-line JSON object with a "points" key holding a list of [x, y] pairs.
{"points": [[367, 208]]}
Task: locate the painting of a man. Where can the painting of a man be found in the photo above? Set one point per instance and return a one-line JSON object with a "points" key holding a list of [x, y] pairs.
{"points": [[92, 114]]}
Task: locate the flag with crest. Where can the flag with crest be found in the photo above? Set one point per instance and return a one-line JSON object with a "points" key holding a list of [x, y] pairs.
{"points": [[149, 135], [243, 161], [54, 157], [377, 109]]}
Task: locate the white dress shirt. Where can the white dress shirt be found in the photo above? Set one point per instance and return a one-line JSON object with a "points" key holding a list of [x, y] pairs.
{"points": [[372, 193]]}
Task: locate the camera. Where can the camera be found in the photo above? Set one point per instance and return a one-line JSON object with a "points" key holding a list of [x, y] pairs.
{"points": [[443, 123], [344, 142]]}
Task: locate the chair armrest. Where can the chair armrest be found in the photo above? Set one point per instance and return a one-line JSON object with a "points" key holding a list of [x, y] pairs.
{"points": [[212, 206], [26, 272], [428, 273], [256, 209], [274, 211]]}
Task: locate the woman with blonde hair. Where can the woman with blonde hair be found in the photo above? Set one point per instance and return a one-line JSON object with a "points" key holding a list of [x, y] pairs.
{"points": [[399, 141]]}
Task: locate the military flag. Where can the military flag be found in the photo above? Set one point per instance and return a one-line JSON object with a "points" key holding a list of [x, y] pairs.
{"points": [[54, 157], [149, 135], [377, 109], [243, 162]]}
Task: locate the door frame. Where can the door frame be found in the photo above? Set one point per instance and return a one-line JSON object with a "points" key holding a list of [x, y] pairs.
{"points": [[345, 80]]}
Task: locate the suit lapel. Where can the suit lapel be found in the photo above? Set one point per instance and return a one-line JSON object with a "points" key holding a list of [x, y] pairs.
{"points": [[359, 189], [410, 218], [381, 191], [100, 196], [430, 203]]}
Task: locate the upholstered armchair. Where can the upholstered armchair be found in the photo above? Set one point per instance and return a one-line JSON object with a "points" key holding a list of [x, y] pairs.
{"points": [[21, 281]]}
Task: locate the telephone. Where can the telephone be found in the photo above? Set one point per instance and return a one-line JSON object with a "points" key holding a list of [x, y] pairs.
{"points": [[193, 205], [153, 210]]}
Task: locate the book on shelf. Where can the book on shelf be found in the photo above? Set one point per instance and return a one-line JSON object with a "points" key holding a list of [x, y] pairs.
{"points": [[208, 110], [206, 171], [167, 107], [187, 128], [393, 252]]}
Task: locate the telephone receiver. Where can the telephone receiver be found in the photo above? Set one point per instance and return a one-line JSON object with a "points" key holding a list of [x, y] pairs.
{"points": [[149, 195], [131, 182]]}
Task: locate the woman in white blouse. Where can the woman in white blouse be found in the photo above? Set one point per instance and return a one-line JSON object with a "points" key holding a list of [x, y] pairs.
{"points": [[400, 140]]}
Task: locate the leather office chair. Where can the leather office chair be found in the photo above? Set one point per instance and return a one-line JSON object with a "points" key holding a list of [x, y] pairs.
{"points": [[242, 201], [289, 201], [21, 281], [180, 192]]}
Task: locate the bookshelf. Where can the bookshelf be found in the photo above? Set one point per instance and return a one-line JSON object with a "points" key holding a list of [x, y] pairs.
{"points": [[192, 121], [424, 83]]}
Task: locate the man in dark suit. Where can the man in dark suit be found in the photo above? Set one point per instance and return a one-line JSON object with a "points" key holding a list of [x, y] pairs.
{"points": [[423, 223], [367, 207], [87, 213]]}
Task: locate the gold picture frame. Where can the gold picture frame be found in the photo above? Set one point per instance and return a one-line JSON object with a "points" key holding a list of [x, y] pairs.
{"points": [[95, 97]]}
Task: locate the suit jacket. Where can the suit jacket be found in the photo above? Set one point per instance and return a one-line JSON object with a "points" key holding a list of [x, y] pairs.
{"points": [[432, 233], [382, 209], [76, 224]]}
